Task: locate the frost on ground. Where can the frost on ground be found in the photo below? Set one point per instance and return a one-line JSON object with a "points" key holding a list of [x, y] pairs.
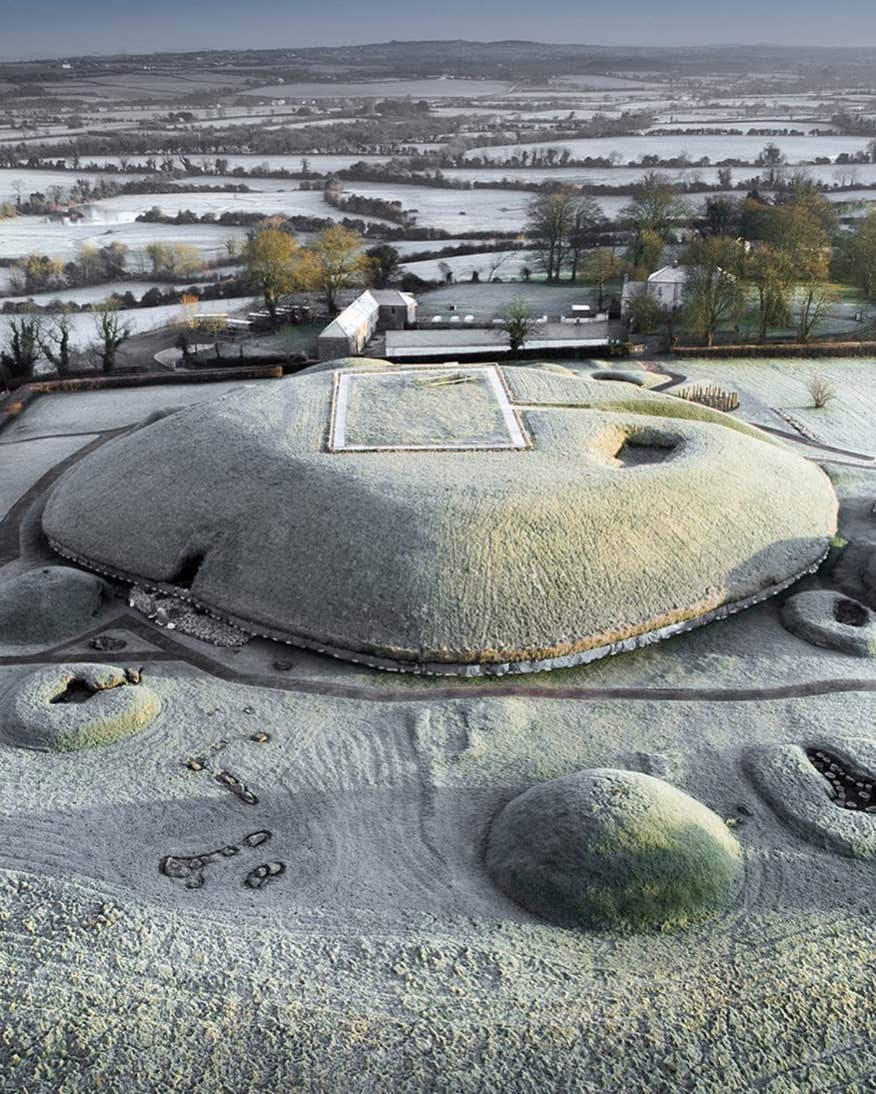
{"points": [[383, 955], [284, 887]]}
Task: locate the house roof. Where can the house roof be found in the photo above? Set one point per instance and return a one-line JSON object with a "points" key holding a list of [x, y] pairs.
{"points": [[352, 317], [392, 297], [669, 275], [362, 309]]}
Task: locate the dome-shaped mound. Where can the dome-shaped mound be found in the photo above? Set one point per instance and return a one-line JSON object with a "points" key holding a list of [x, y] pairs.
{"points": [[65, 708], [607, 848], [449, 519], [48, 604]]}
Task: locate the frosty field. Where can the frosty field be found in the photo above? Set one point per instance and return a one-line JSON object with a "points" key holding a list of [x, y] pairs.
{"points": [[26, 235], [796, 149], [457, 727], [439, 88], [848, 418], [383, 953]]}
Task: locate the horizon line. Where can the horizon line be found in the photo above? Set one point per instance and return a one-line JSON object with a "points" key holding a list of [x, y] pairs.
{"points": [[169, 51]]}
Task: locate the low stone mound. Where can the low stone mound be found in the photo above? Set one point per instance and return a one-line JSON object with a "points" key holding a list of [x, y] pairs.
{"points": [[832, 621], [47, 605], [614, 849], [70, 707], [174, 614], [824, 790]]}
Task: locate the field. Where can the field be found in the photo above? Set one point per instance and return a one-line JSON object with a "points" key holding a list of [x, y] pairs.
{"points": [[25, 235], [694, 147], [397, 89], [846, 421], [236, 853], [384, 923], [330, 122]]}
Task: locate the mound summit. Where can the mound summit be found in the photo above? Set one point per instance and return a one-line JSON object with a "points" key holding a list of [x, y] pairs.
{"points": [[449, 520]]}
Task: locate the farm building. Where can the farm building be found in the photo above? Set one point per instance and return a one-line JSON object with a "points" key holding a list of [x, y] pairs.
{"points": [[349, 332], [666, 286], [464, 341]]}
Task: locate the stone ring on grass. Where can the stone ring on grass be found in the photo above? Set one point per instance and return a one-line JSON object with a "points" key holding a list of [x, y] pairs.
{"points": [[831, 620], [69, 707]]}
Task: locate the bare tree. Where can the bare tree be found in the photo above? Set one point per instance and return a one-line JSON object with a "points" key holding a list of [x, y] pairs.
{"points": [[113, 330], [496, 263], [517, 323], [821, 391], [814, 300], [549, 221], [586, 219], [23, 346], [55, 341]]}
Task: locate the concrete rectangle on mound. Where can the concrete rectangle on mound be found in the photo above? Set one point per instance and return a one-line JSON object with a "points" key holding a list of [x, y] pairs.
{"points": [[441, 408]]}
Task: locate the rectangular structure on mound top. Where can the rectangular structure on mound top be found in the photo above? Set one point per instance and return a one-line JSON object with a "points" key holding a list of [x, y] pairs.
{"points": [[423, 409]]}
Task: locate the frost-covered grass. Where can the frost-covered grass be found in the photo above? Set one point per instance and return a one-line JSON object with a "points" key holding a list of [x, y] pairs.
{"points": [[78, 412], [486, 300], [31, 181], [502, 264], [500, 556], [28, 235], [796, 149], [454, 211], [286, 202], [21, 466], [846, 422], [385, 956], [428, 88], [616, 849]]}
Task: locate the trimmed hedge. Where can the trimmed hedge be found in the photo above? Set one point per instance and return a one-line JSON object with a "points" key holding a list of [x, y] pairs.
{"points": [[782, 349]]}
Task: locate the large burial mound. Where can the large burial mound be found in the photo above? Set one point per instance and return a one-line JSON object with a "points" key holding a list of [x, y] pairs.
{"points": [[449, 519], [608, 848]]}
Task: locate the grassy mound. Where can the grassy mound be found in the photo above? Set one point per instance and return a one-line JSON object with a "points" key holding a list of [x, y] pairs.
{"points": [[70, 707], [833, 621], [632, 514], [47, 605], [614, 849], [807, 802]]}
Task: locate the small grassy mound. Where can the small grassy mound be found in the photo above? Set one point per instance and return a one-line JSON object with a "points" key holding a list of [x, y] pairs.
{"points": [[614, 849], [70, 707], [832, 621], [813, 804], [48, 605]]}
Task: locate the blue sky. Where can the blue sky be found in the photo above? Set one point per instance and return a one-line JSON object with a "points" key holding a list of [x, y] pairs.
{"points": [[51, 28]]}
